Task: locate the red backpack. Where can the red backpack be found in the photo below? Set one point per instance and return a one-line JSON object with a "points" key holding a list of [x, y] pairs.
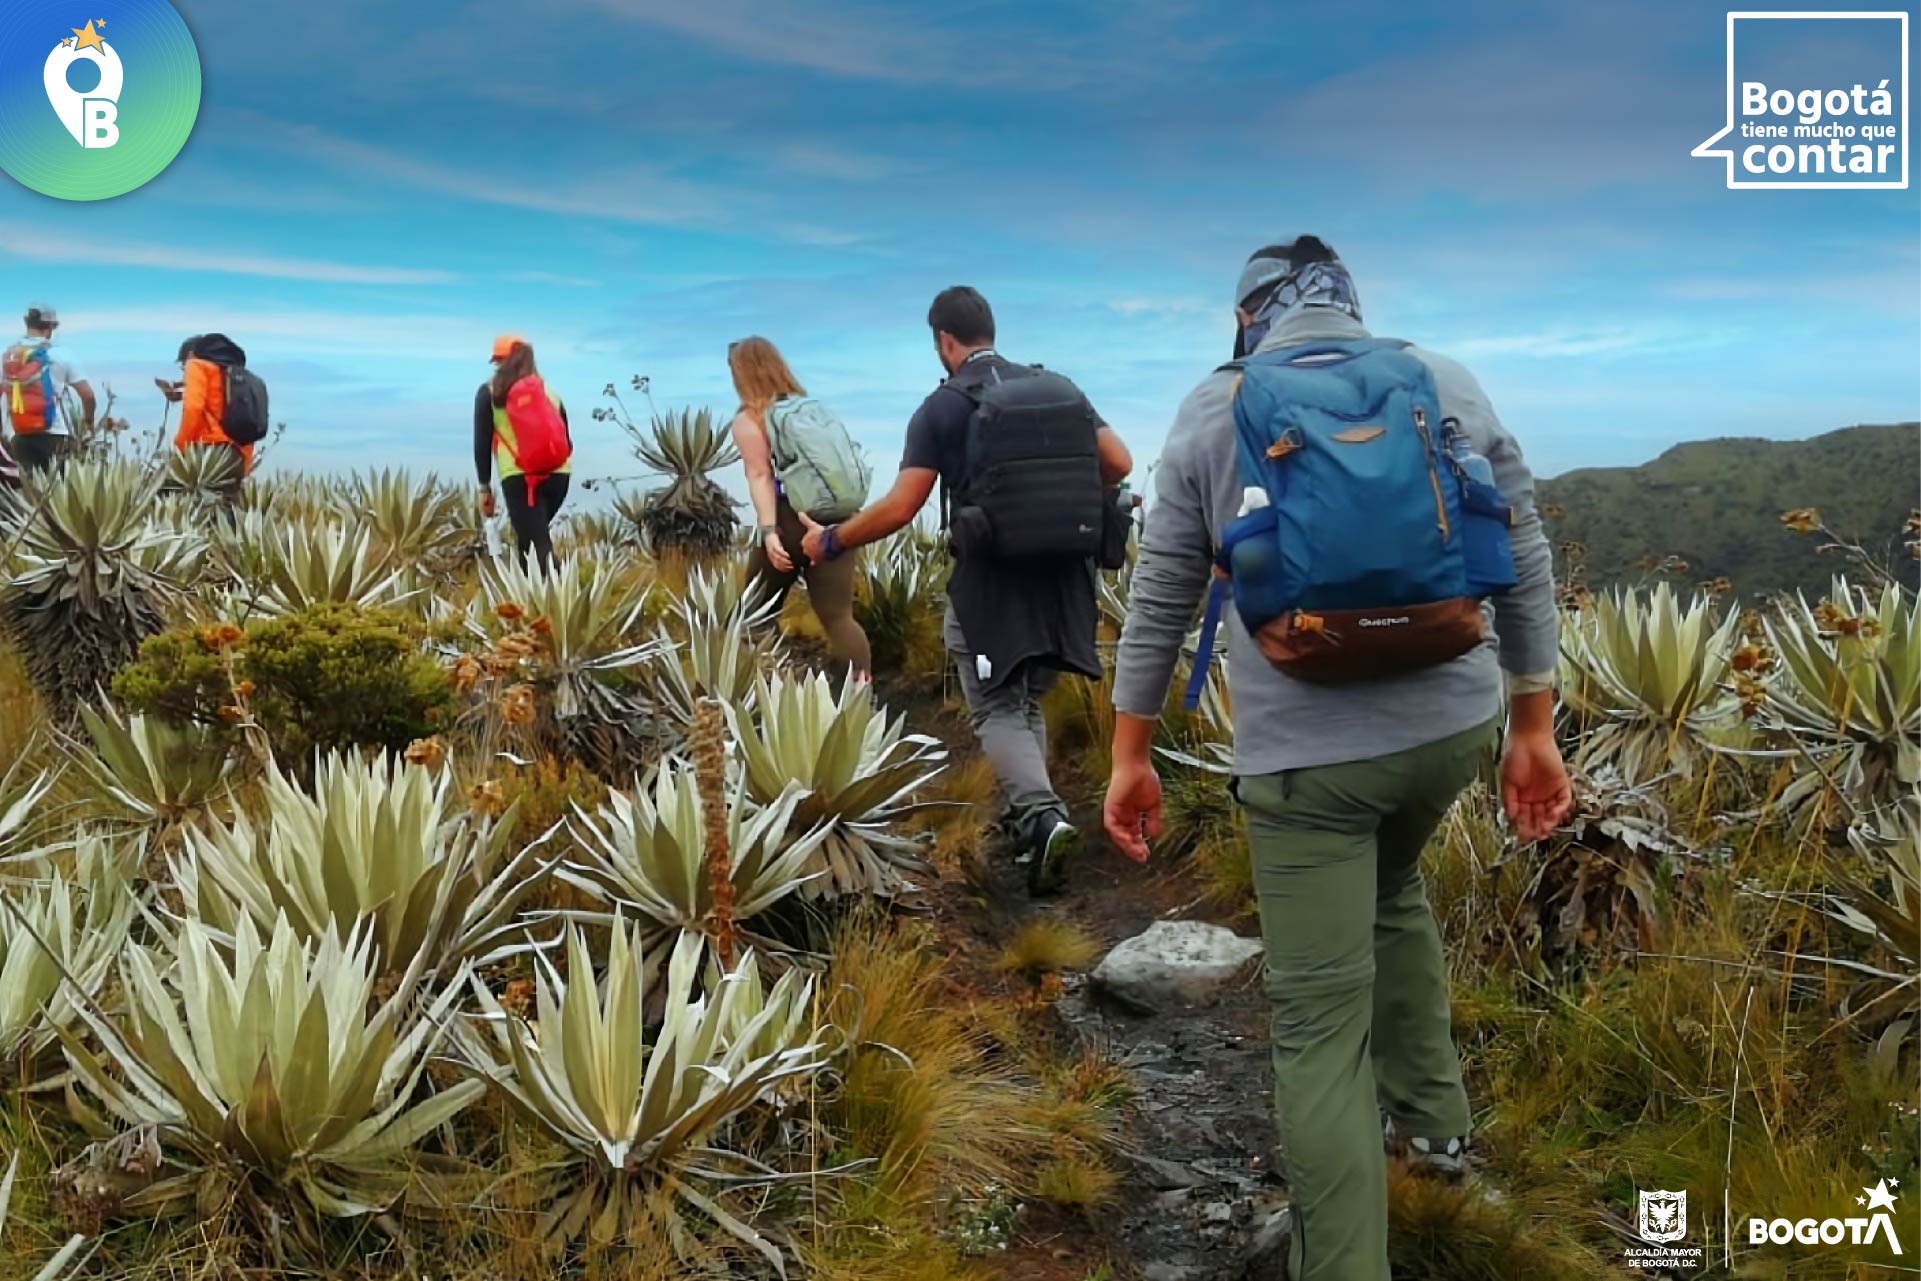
{"points": [[28, 379], [540, 445]]}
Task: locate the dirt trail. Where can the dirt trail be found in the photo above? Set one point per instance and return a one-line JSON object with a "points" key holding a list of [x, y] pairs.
{"points": [[1198, 1196]]}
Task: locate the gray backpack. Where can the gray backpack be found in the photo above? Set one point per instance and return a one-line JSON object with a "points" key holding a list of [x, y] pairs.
{"points": [[820, 467]]}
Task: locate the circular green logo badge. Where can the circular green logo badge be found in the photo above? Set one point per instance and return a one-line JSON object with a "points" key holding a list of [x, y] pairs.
{"points": [[96, 96]]}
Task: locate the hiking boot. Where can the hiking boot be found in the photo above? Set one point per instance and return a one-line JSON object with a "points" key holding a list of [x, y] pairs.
{"points": [[1056, 846], [1444, 1159]]}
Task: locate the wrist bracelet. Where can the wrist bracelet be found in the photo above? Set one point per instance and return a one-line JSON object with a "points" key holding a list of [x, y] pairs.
{"points": [[830, 542]]}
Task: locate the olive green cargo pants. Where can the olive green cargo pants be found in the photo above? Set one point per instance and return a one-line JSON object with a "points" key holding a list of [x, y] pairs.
{"points": [[1357, 983]]}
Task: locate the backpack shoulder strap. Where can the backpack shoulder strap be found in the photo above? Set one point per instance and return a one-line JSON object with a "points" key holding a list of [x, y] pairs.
{"points": [[971, 379], [770, 421]]}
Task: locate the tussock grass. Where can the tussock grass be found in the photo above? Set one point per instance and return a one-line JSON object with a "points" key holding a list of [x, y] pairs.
{"points": [[904, 630], [1080, 728], [797, 620], [21, 715], [919, 1255], [1439, 1232], [962, 828], [916, 1082], [1712, 1061], [1204, 827], [1079, 1180], [1048, 945]]}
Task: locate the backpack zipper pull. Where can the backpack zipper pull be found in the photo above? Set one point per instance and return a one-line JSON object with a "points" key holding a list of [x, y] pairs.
{"points": [[1433, 472]]}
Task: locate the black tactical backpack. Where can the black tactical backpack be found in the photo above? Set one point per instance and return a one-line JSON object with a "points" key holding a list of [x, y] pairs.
{"points": [[1031, 485]]}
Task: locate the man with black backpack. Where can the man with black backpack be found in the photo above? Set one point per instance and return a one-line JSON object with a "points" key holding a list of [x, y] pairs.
{"points": [[1027, 471], [1355, 504]]}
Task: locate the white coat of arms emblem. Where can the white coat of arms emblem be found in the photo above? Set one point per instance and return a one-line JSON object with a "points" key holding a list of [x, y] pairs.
{"points": [[1664, 1216]]}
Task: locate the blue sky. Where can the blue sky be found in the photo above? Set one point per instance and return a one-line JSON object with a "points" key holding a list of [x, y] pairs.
{"points": [[373, 191]]}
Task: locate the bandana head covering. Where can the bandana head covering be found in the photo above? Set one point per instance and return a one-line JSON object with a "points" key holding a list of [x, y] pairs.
{"points": [[1302, 273]]}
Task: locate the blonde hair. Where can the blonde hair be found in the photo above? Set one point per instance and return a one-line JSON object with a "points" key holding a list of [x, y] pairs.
{"points": [[760, 375]]}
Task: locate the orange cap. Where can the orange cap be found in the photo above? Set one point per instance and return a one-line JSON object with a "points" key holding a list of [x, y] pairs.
{"points": [[505, 344]]}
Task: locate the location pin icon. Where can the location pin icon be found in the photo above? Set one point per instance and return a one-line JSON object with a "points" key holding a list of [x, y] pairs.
{"points": [[90, 117]]}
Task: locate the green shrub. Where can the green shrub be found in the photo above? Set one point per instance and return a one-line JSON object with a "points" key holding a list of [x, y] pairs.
{"points": [[334, 676]]}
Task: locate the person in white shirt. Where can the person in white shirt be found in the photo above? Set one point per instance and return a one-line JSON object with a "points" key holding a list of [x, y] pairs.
{"points": [[43, 393]]}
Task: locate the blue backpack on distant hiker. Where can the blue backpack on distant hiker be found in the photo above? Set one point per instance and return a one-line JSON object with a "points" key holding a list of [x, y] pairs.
{"points": [[1371, 532]]}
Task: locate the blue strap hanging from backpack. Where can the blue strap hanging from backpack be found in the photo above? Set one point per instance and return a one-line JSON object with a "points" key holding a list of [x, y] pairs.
{"points": [[1217, 596]]}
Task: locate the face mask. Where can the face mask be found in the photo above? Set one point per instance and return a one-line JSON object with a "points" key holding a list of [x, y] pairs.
{"points": [[1248, 338]]}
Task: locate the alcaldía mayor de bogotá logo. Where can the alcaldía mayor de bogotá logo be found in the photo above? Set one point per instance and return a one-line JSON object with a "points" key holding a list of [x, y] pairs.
{"points": [[97, 97], [1661, 1221]]}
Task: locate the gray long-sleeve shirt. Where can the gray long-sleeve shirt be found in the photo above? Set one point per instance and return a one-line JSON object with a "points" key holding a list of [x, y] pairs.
{"points": [[1281, 723]]}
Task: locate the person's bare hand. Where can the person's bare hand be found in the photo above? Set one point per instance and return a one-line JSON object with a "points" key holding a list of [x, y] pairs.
{"points": [[487, 503], [813, 545], [777, 552], [1534, 786], [1132, 814]]}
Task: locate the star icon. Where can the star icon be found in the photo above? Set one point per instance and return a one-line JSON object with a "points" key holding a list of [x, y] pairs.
{"points": [[1879, 1197], [1860, 1200], [85, 37]]}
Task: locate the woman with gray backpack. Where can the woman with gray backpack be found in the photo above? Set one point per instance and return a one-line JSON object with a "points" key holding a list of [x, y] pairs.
{"points": [[799, 459]]}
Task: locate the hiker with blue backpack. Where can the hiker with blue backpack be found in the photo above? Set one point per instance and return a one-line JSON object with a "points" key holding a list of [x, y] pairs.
{"points": [[1362, 517], [45, 393], [1029, 501]]}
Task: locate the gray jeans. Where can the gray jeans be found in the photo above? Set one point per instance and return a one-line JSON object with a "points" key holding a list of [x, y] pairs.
{"points": [[1012, 732]]}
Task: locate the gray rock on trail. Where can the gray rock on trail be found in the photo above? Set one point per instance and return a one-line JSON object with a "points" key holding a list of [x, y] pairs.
{"points": [[1176, 963], [1170, 1272]]}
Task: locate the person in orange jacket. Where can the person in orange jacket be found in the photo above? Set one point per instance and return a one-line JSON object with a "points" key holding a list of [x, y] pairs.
{"points": [[202, 395]]}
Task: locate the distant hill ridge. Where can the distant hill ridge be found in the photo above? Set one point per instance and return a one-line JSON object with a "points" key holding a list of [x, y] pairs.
{"points": [[1717, 505]]}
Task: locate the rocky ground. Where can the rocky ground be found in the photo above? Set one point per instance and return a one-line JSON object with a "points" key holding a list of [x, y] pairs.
{"points": [[1201, 1201]]}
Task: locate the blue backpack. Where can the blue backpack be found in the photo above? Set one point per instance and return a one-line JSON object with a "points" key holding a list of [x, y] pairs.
{"points": [[1371, 531]]}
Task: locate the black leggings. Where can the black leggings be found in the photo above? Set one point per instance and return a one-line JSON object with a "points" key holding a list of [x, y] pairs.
{"points": [[533, 522], [41, 450]]}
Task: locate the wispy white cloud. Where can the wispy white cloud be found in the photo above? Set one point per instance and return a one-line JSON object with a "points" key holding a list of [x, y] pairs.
{"points": [[821, 160], [1192, 306], [422, 335], [628, 193], [1555, 343], [1882, 291], [863, 41], [631, 193], [554, 278], [31, 243], [899, 44], [801, 233]]}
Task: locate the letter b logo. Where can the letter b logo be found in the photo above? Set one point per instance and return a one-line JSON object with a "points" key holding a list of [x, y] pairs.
{"points": [[100, 123], [98, 101]]}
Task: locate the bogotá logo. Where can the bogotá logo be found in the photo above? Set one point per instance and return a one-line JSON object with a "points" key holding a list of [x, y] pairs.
{"points": [[97, 97]]}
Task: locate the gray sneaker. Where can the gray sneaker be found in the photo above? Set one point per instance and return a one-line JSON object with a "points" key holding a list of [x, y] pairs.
{"points": [[1056, 847], [1444, 1159]]}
